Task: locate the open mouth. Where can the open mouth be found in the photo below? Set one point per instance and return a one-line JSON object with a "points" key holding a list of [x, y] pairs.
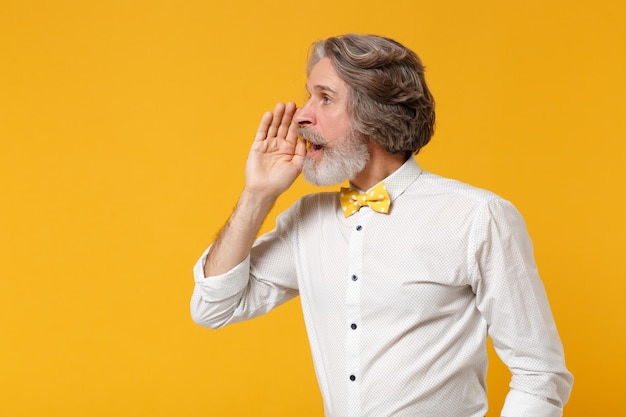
{"points": [[313, 149], [314, 146], [315, 143]]}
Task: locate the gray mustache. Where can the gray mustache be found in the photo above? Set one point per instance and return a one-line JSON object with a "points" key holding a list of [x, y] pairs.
{"points": [[313, 137]]}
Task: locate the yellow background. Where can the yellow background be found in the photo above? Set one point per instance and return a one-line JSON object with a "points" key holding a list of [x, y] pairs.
{"points": [[118, 117]]}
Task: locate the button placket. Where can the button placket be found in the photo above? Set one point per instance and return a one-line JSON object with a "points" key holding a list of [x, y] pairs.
{"points": [[353, 313]]}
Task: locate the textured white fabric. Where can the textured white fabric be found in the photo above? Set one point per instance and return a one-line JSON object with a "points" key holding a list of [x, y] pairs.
{"points": [[518, 404], [398, 307]]}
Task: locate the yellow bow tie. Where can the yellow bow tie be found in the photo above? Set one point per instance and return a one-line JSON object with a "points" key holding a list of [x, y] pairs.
{"points": [[377, 198]]}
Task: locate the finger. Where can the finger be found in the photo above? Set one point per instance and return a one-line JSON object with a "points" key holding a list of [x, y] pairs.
{"points": [[299, 154], [292, 132], [264, 125], [300, 149], [285, 123], [279, 110]]}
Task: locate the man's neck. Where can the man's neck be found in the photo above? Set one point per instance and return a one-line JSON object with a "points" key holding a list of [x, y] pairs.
{"points": [[380, 166]]}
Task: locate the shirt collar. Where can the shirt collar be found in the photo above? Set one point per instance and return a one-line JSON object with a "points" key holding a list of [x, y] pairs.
{"points": [[397, 183]]}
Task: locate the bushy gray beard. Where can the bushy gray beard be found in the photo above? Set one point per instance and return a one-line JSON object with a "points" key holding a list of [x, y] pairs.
{"points": [[340, 162]]}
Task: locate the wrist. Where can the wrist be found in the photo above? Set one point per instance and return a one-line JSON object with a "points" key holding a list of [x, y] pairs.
{"points": [[261, 201]]}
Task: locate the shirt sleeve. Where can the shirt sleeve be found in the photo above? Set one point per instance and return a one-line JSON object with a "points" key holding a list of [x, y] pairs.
{"points": [[513, 302], [518, 403], [261, 282]]}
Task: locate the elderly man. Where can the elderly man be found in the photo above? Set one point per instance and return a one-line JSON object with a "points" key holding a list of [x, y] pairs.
{"points": [[403, 275]]}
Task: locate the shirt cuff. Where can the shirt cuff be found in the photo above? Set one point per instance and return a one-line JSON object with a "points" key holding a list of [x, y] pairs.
{"points": [[521, 404], [220, 287]]}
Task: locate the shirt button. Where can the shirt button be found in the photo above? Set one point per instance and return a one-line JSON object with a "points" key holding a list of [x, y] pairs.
{"points": [[353, 326], [352, 378], [359, 227], [354, 277]]}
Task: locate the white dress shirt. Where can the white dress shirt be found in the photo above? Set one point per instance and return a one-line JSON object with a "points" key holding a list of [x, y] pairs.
{"points": [[398, 306]]}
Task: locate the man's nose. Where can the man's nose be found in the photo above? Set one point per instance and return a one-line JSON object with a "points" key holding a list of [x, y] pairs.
{"points": [[304, 116]]}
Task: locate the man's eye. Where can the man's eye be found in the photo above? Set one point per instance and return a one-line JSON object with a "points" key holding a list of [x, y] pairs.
{"points": [[326, 100]]}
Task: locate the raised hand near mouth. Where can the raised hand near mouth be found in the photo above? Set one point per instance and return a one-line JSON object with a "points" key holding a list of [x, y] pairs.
{"points": [[277, 156]]}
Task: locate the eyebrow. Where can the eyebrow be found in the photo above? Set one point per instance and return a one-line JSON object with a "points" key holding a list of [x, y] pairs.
{"points": [[319, 87]]}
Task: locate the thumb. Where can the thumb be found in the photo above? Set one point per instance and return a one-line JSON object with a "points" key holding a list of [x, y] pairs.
{"points": [[299, 154]]}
